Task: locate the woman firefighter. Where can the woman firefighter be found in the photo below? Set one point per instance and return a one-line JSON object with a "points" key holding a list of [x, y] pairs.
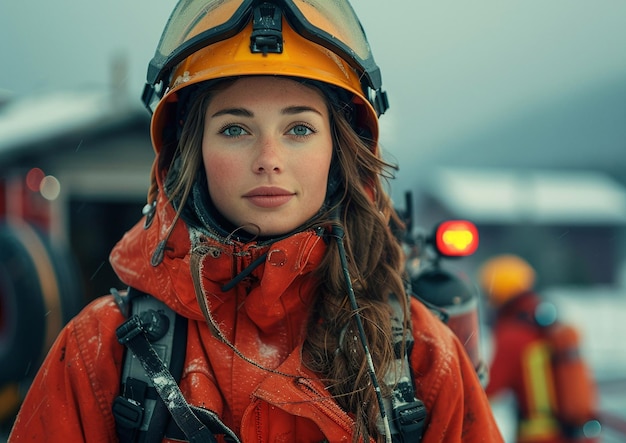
{"points": [[267, 231]]}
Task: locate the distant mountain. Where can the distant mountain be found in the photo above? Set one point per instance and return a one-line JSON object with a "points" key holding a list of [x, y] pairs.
{"points": [[584, 131]]}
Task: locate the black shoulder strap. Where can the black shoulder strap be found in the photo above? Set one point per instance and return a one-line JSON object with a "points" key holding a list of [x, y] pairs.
{"points": [[140, 414], [155, 344]]}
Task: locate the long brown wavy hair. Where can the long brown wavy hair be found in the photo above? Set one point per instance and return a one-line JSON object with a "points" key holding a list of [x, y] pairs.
{"points": [[374, 256], [332, 347]]}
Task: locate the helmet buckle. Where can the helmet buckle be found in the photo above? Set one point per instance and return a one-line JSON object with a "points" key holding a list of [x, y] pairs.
{"points": [[267, 34]]}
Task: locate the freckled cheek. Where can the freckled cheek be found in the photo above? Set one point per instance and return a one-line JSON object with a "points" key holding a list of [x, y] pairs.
{"points": [[221, 175], [315, 180]]}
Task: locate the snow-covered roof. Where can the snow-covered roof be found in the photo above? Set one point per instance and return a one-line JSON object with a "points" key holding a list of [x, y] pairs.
{"points": [[33, 119], [537, 196]]}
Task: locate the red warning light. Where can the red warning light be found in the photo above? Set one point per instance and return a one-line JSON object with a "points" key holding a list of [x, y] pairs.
{"points": [[456, 238], [34, 178]]}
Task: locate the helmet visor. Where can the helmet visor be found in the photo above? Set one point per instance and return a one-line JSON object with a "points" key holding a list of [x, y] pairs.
{"points": [[334, 24], [195, 24]]}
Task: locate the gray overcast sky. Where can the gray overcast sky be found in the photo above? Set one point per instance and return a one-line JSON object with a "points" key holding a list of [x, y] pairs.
{"points": [[450, 67]]}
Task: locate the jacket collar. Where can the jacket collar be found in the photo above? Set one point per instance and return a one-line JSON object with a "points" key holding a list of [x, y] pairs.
{"points": [[171, 280]]}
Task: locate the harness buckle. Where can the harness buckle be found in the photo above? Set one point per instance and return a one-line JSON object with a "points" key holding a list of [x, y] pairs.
{"points": [[153, 323], [411, 419], [129, 329]]}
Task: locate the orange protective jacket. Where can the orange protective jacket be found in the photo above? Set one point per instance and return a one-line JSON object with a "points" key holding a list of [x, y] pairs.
{"points": [[263, 316]]}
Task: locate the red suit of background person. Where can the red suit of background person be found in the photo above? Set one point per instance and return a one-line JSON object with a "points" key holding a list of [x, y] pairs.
{"points": [[523, 358]]}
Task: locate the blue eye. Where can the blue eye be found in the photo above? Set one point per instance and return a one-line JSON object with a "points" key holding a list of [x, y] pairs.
{"points": [[233, 131], [300, 130]]}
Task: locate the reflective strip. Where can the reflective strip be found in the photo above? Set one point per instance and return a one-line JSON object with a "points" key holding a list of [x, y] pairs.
{"points": [[540, 396], [538, 378]]}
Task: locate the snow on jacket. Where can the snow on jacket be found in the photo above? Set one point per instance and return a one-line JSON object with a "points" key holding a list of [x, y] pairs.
{"points": [[263, 316]]}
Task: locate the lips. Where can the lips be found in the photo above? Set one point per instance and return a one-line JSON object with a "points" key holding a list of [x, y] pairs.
{"points": [[268, 196]]}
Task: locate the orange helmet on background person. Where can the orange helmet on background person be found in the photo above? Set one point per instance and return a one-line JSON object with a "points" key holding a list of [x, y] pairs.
{"points": [[503, 277], [217, 39]]}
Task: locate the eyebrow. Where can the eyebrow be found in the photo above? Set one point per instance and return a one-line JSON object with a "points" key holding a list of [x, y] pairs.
{"points": [[291, 110], [242, 112]]}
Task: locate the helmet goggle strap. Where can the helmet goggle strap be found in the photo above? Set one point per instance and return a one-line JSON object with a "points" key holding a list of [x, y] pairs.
{"points": [[229, 17]]}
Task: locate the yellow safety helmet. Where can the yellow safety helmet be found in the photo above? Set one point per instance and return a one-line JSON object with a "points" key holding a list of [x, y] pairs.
{"points": [[214, 39], [504, 277]]}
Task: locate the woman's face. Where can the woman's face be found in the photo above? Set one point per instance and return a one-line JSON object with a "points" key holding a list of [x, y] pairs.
{"points": [[267, 148]]}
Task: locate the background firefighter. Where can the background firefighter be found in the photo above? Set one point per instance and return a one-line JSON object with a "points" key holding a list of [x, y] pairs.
{"points": [[537, 358]]}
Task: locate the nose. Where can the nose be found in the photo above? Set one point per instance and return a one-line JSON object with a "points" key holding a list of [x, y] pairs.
{"points": [[268, 156]]}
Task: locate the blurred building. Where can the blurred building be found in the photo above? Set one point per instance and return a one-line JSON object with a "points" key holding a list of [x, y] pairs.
{"points": [[570, 224], [76, 166], [74, 171]]}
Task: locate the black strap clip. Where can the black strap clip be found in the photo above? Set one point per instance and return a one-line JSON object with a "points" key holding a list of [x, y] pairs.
{"points": [[152, 323], [128, 413], [267, 30], [411, 420]]}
